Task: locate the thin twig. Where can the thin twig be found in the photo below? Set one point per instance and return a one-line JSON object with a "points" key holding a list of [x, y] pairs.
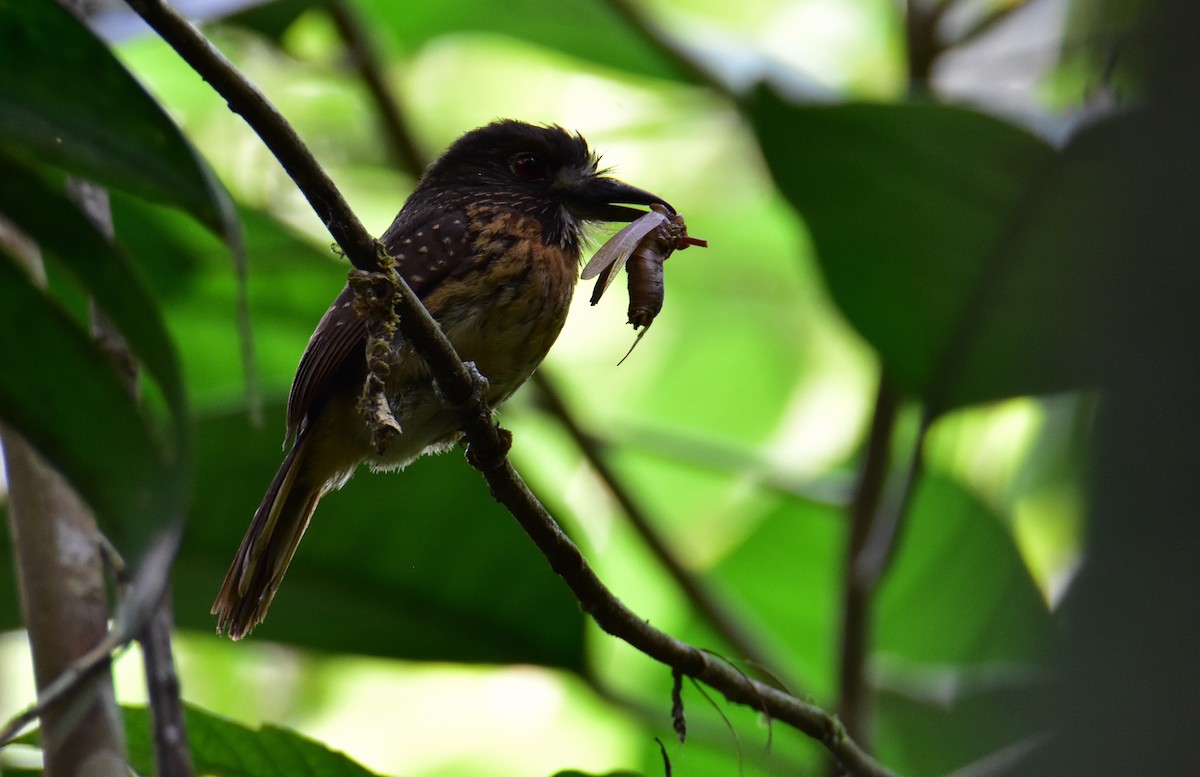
{"points": [[877, 553], [171, 752], [486, 443], [67, 682]]}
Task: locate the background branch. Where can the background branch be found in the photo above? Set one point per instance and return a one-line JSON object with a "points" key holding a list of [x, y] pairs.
{"points": [[667, 44], [162, 684], [487, 450], [701, 597], [406, 153], [877, 514], [856, 592]]}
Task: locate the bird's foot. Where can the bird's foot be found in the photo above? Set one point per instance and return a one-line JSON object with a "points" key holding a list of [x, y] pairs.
{"points": [[479, 387], [487, 457]]}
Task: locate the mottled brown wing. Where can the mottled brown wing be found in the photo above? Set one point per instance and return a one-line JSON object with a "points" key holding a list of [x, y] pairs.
{"points": [[428, 244]]}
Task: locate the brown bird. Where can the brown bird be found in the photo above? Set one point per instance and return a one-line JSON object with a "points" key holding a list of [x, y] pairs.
{"points": [[490, 242]]}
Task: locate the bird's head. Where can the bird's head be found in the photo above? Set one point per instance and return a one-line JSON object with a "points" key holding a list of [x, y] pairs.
{"points": [[544, 171]]}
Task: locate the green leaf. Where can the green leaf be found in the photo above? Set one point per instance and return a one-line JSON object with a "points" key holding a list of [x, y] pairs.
{"points": [[579, 28], [62, 393], [224, 748], [104, 270], [66, 100], [419, 565], [962, 638], [932, 226], [959, 591]]}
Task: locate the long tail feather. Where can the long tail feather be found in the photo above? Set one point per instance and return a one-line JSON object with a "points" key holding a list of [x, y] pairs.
{"points": [[268, 547]]}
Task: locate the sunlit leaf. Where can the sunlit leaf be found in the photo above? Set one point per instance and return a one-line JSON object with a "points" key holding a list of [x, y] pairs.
{"points": [[66, 100], [959, 591]]}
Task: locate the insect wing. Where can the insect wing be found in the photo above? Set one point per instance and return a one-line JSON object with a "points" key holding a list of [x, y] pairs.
{"points": [[621, 245]]}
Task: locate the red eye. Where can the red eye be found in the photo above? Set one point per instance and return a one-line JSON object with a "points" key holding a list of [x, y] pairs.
{"points": [[529, 167]]}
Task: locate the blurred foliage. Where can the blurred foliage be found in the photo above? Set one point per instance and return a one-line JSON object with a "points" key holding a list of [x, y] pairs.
{"points": [[230, 750], [952, 249]]}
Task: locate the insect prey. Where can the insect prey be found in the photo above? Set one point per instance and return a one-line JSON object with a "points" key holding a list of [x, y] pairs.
{"points": [[641, 247]]}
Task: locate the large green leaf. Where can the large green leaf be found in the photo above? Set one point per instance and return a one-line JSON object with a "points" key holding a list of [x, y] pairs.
{"points": [[291, 281], [224, 748], [421, 565], [104, 270], [66, 100], [794, 611], [66, 398], [958, 245]]}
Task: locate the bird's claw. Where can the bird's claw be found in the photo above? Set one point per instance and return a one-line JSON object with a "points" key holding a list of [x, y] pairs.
{"points": [[479, 387], [488, 460]]}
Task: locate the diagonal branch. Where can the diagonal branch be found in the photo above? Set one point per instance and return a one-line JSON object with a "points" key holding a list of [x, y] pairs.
{"points": [[487, 447], [877, 515], [857, 592], [404, 148]]}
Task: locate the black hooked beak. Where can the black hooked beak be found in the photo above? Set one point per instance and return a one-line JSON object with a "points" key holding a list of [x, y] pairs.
{"points": [[597, 200]]}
